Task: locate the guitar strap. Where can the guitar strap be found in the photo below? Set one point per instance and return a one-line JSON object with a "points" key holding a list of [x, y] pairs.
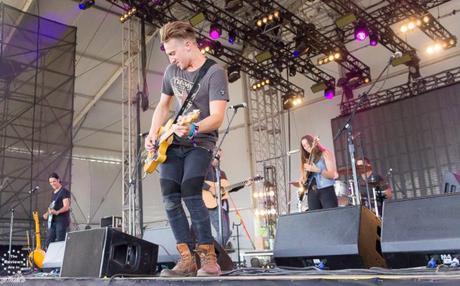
{"points": [[204, 68]]}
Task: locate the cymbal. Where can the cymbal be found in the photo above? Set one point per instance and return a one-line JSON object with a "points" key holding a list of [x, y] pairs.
{"points": [[296, 184], [360, 169]]}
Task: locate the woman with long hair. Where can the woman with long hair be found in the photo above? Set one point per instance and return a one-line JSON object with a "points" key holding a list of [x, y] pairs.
{"points": [[318, 173]]}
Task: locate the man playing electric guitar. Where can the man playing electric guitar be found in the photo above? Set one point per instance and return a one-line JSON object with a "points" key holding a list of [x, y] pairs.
{"points": [[188, 158], [58, 213]]}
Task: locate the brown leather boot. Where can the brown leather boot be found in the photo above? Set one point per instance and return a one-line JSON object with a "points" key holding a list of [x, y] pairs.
{"points": [[185, 267], [208, 261]]}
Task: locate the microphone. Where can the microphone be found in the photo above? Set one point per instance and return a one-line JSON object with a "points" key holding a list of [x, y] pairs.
{"points": [[143, 134], [397, 54], [236, 106], [36, 188], [292, 152]]}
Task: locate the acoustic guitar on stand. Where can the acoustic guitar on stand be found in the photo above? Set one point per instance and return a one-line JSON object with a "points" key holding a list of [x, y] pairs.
{"points": [[165, 139]]}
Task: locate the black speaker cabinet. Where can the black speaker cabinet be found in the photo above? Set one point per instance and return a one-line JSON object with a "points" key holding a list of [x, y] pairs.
{"points": [[105, 252], [340, 238], [416, 230]]}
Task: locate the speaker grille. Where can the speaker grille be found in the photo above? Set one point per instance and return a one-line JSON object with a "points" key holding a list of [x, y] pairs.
{"points": [[87, 246]]}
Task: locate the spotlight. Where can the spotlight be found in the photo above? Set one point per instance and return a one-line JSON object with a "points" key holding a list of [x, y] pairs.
{"points": [[215, 31], [329, 93], [233, 73], [361, 32], [85, 4], [231, 37], [373, 39]]}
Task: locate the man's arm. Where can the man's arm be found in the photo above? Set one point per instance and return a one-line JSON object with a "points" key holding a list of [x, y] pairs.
{"points": [[159, 117], [65, 207], [210, 123]]}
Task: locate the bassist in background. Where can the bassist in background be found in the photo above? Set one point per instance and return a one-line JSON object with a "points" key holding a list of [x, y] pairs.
{"points": [[188, 158], [58, 213], [318, 170]]}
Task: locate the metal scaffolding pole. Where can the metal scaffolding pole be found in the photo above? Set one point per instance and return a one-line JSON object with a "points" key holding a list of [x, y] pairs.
{"points": [[130, 85]]}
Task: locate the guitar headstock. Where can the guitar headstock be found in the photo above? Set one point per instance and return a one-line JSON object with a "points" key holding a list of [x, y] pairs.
{"points": [[189, 117]]}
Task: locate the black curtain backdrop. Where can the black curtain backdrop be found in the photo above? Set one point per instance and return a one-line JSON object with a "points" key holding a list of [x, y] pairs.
{"points": [[419, 138]]}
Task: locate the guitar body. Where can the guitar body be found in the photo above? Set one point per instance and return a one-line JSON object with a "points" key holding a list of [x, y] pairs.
{"points": [[37, 256], [156, 158], [210, 196], [165, 140]]}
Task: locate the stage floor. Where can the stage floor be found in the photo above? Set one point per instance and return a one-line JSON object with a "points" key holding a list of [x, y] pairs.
{"points": [[271, 277]]}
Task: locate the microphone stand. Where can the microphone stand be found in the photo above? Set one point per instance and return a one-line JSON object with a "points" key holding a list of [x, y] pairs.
{"points": [[218, 178], [349, 127], [10, 243]]}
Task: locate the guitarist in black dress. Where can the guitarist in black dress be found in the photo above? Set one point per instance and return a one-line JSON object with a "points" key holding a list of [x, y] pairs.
{"points": [[188, 158], [318, 173], [58, 213]]}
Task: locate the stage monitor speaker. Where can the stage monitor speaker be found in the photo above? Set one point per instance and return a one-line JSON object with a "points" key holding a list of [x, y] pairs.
{"points": [[338, 238], [416, 230], [451, 182], [168, 254], [54, 255], [105, 252]]}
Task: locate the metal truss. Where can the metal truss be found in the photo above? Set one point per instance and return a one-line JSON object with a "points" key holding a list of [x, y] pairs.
{"points": [[159, 15], [410, 8], [131, 209], [316, 41], [387, 37], [267, 137], [36, 112], [281, 54], [406, 90]]}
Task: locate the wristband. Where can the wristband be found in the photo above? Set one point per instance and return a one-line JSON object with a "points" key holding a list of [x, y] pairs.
{"points": [[193, 131]]}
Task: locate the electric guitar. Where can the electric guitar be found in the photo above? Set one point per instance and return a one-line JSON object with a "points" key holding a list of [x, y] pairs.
{"points": [[210, 196], [165, 139], [50, 216], [37, 256], [309, 181]]}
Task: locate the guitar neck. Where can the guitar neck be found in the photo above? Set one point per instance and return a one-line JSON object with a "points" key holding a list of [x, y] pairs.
{"points": [[37, 232]]}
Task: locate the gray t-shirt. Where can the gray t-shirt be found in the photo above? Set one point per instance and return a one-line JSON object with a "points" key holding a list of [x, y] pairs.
{"points": [[213, 86]]}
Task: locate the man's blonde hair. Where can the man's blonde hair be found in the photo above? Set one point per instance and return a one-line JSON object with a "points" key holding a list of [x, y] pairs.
{"points": [[177, 30]]}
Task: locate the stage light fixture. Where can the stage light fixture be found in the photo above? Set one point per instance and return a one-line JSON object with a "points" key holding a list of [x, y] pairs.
{"points": [[361, 32], [85, 4], [329, 93], [345, 20], [128, 15], [231, 37], [292, 99], [215, 31], [197, 19], [233, 73], [373, 39], [233, 5]]}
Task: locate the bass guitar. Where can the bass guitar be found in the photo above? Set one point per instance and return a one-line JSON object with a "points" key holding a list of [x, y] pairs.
{"points": [[165, 139], [210, 195]]}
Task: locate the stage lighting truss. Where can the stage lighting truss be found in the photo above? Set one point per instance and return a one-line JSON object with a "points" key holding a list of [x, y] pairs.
{"points": [[268, 20], [128, 14], [333, 56], [260, 84]]}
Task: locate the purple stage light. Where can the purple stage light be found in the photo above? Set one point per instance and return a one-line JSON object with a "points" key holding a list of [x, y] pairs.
{"points": [[373, 39], [215, 31], [329, 93], [361, 33]]}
